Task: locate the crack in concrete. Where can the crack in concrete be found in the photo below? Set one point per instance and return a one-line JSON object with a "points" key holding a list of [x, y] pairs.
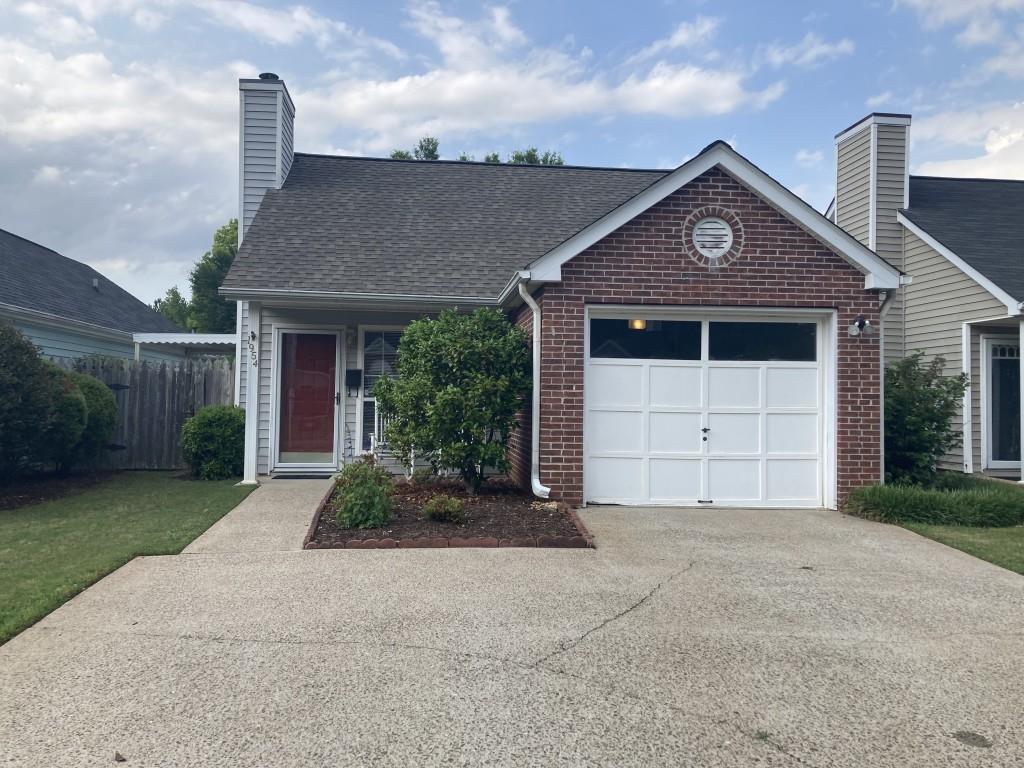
{"points": [[568, 646]]}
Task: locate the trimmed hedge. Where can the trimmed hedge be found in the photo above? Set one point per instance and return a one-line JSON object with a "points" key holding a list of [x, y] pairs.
{"points": [[213, 442], [101, 418], [362, 498], [954, 500]]}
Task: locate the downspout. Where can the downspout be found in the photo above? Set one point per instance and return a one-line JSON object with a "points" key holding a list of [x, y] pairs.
{"points": [[535, 485], [883, 310]]}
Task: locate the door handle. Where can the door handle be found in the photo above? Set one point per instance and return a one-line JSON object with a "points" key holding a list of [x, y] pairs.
{"points": [[337, 398]]}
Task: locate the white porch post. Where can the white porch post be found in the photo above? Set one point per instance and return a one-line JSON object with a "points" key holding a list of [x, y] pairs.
{"points": [[251, 360], [1020, 362]]}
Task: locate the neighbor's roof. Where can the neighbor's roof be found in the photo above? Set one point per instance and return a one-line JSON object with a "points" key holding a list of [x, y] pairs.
{"points": [[980, 220], [37, 279], [441, 228]]}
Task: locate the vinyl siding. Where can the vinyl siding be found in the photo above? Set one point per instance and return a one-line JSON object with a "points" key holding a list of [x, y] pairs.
{"points": [[938, 301], [346, 321], [259, 149], [891, 158], [853, 184], [244, 362], [287, 138], [63, 344]]}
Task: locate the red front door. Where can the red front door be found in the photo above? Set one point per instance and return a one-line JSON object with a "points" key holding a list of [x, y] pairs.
{"points": [[309, 379]]}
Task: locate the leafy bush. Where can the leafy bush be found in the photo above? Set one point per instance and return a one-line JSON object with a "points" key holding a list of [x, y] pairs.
{"points": [[461, 380], [213, 442], [423, 476], [988, 503], [101, 417], [25, 402], [445, 509], [920, 403], [363, 495], [69, 414]]}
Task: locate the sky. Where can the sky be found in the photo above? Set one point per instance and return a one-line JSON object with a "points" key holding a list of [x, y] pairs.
{"points": [[119, 118]]}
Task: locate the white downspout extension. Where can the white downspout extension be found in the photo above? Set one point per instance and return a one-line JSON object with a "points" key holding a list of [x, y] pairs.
{"points": [[535, 485]]}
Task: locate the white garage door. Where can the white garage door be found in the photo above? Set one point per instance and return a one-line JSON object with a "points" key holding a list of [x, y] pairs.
{"points": [[706, 411]]}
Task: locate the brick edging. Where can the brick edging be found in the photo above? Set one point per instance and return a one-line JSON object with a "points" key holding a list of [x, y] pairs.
{"points": [[582, 541]]}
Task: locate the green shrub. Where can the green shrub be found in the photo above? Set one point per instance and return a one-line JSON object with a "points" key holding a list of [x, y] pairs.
{"points": [[101, 417], [423, 476], [213, 442], [445, 509], [461, 380], [69, 414], [989, 503], [25, 402], [920, 404], [363, 495]]}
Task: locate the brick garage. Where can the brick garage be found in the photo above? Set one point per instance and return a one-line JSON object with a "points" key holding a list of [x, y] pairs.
{"points": [[648, 261]]}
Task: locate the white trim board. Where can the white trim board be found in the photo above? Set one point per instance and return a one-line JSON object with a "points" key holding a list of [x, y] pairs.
{"points": [[1013, 307], [879, 274], [986, 341]]}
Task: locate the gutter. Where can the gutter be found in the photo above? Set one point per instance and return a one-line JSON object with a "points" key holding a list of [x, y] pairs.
{"points": [[535, 484], [384, 299]]}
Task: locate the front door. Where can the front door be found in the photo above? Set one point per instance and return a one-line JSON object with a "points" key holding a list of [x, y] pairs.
{"points": [[308, 394], [1003, 408]]}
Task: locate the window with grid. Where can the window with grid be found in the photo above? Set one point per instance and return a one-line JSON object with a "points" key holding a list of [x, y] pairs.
{"points": [[380, 357]]}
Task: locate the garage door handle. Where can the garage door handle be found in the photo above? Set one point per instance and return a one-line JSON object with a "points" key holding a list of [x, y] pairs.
{"points": [[705, 430]]}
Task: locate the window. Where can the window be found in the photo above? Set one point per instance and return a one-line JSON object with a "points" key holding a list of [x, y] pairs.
{"points": [[1004, 421], [380, 357], [762, 341], [645, 339]]}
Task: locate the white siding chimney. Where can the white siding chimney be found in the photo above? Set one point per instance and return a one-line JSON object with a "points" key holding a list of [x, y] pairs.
{"points": [[872, 184], [266, 123]]}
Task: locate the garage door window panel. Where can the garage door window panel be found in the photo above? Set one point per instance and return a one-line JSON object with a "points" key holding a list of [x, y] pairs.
{"points": [[771, 342], [643, 339]]}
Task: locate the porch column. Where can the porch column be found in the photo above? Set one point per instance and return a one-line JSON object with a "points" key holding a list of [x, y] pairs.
{"points": [[1020, 362], [251, 361]]}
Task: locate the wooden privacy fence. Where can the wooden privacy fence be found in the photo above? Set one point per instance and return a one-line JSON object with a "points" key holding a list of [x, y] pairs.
{"points": [[153, 401]]}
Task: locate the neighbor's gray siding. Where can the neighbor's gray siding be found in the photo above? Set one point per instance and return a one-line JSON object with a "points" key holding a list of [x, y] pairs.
{"points": [[66, 344], [890, 183], [853, 184], [938, 301], [259, 149]]}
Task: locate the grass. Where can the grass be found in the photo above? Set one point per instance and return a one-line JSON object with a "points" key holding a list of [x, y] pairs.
{"points": [[1002, 546], [953, 500], [50, 552]]}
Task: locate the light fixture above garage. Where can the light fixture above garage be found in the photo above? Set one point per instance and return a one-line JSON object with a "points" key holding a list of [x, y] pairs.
{"points": [[638, 324]]}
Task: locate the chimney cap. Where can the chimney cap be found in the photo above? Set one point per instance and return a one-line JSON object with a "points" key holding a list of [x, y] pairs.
{"points": [[268, 76]]}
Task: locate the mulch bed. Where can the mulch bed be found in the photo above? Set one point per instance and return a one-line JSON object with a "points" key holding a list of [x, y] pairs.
{"points": [[500, 515], [46, 487]]}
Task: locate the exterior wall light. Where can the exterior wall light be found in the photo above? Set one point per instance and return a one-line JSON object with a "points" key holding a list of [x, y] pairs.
{"points": [[638, 324], [861, 325]]}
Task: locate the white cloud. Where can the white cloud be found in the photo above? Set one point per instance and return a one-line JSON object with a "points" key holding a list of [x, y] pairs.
{"points": [[993, 136], [54, 26], [878, 100], [687, 35], [809, 158], [811, 51], [935, 13], [463, 44], [47, 174]]}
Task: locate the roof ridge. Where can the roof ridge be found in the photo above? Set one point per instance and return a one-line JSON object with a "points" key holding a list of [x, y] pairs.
{"points": [[40, 245], [446, 161], [964, 178]]}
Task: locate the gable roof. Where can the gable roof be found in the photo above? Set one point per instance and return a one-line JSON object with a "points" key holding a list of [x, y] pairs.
{"points": [[979, 220], [37, 279], [878, 273], [452, 229]]}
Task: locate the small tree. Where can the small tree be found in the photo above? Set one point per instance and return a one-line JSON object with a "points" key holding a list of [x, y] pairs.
{"points": [[461, 380], [25, 402], [920, 403]]}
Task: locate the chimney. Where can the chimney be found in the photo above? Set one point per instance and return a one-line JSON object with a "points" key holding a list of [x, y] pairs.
{"points": [[872, 181], [266, 122]]}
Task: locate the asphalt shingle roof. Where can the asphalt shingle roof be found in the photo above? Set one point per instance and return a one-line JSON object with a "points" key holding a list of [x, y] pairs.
{"points": [[422, 228], [980, 220], [36, 278]]}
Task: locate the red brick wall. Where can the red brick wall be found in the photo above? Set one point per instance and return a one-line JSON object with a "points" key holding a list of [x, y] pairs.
{"points": [[645, 262]]}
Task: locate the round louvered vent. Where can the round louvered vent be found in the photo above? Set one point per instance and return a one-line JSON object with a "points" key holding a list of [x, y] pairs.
{"points": [[712, 237]]}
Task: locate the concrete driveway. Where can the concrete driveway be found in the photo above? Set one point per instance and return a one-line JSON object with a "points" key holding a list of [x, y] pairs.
{"points": [[690, 637]]}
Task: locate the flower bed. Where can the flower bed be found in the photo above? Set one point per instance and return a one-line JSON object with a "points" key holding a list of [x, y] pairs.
{"points": [[501, 515]]}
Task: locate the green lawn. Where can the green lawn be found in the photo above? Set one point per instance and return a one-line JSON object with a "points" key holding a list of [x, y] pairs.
{"points": [[51, 551], [1002, 546]]}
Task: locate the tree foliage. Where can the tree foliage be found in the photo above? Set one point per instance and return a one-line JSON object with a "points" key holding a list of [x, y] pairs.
{"points": [[920, 404], [428, 148], [207, 311], [25, 401], [213, 442], [461, 380]]}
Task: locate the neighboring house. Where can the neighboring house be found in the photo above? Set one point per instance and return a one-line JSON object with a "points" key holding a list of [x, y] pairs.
{"points": [[67, 308], [697, 332], [962, 241]]}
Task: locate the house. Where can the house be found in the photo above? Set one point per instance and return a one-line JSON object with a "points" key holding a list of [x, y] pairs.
{"points": [[700, 335], [962, 240], [68, 309]]}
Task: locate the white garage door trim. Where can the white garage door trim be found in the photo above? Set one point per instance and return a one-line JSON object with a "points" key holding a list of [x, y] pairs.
{"points": [[826, 408]]}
